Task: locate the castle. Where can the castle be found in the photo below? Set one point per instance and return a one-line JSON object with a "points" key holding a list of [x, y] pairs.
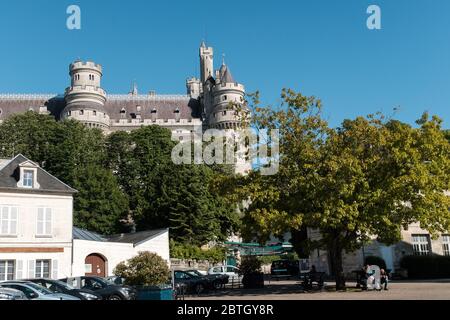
{"points": [[206, 104]]}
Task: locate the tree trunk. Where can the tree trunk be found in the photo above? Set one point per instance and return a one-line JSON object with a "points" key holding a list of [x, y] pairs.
{"points": [[335, 251]]}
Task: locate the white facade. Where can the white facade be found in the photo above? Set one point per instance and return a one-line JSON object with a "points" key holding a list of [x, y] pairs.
{"points": [[26, 246], [115, 252]]}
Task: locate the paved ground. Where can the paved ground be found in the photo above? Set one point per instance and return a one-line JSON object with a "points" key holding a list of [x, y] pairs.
{"points": [[290, 290]]}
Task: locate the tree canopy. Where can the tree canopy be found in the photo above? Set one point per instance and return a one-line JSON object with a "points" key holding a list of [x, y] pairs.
{"points": [[369, 177], [124, 179]]}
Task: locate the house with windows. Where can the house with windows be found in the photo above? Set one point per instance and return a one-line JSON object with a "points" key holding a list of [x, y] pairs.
{"points": [[37, 237]]}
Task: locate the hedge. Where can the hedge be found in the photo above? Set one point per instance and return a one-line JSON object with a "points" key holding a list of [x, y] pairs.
{"points": [[426, 267], [192, 252]]}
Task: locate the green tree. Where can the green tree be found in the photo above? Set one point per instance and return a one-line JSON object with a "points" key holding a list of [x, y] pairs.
{"points": [[99, 205], [74, 154], [367, 178], [31, 134], [163, 194]]}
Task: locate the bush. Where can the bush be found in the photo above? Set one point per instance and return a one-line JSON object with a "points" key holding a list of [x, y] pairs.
{"points": [[426, 267], [145, 269], [191, 252], [375, 261], [250, 265]]}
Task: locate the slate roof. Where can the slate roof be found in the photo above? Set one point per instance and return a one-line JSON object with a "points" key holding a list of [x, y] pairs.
{"points": [[134, 238], [9, 176], [225, 75], [81, 234], [165, 106], [137, 237]]}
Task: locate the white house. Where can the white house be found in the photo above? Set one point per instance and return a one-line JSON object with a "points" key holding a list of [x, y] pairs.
{"points": [[98, 255], [37, 238]]}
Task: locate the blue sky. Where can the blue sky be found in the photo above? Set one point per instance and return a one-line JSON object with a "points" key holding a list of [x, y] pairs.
{"points": [[318, 47]]}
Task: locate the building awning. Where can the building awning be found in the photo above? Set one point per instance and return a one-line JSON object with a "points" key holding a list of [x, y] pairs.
{"points": [[256, 249]]}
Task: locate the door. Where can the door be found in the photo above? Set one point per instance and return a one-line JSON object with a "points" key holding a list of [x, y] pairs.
{"points": [[95, 265]]}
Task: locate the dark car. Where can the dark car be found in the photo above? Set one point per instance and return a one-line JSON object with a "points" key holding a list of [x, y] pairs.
{"points": [[193, 283], [115, 280], [215, 281], [57, 286], [100, 286], [285, 268]]}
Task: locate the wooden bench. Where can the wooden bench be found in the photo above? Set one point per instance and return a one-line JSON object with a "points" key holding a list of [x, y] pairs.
{"points": [[309, 279]]}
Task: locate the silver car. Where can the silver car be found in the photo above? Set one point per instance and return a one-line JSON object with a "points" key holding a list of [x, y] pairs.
{"points": [[35, 292], [11, 294]]}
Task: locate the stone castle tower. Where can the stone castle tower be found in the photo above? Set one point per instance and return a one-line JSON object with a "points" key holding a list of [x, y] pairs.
{"points": [[217, 91], [219, 95], [85, 98]]}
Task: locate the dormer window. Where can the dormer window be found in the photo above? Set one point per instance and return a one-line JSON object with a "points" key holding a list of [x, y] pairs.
{"points": [[28, 178], [123, 113], [28, 175]]}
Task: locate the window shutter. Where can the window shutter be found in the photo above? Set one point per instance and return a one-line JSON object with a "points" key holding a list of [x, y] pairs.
{"points": [[19, 270], [48, 221], [55, 269], [40, 221], [31, 265], [4, 220], [13, 221]]}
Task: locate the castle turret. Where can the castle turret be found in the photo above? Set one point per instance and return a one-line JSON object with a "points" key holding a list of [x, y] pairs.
{"points": [[206, 62], [85, 99], [227, 97], [194, 87]]}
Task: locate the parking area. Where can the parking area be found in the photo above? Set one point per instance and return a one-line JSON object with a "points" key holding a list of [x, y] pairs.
{"points": [[291, 290]]}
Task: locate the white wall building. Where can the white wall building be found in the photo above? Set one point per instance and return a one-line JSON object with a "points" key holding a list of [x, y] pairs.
{"points": [[37, 238]]}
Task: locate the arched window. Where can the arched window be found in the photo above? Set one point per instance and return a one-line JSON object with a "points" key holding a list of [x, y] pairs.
{"points": [[123, 113]]}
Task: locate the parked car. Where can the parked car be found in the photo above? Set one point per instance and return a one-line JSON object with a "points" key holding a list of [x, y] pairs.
{"points": [[285, 268], [36, 292], [115, 280], [193, 283], [107, 290], [57, 286], [231, 271], [12, 294], [215, 281]]}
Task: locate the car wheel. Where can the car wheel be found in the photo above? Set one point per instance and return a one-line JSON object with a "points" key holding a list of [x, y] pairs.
{"points": [[217, 285], [199, 288], [115, 297]]}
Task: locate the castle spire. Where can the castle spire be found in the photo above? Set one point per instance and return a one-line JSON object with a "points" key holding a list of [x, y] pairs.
{"points": [[134, 88]]}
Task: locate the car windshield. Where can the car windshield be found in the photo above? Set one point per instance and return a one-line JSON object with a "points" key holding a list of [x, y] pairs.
{"points": [[103, 282], [114, 280], [63, 284], [194, 273], [39, 288]]}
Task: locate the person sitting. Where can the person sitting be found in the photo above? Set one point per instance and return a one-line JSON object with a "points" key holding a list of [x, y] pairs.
{"points": [[310, 278], [367, 277], [384, 279]]}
